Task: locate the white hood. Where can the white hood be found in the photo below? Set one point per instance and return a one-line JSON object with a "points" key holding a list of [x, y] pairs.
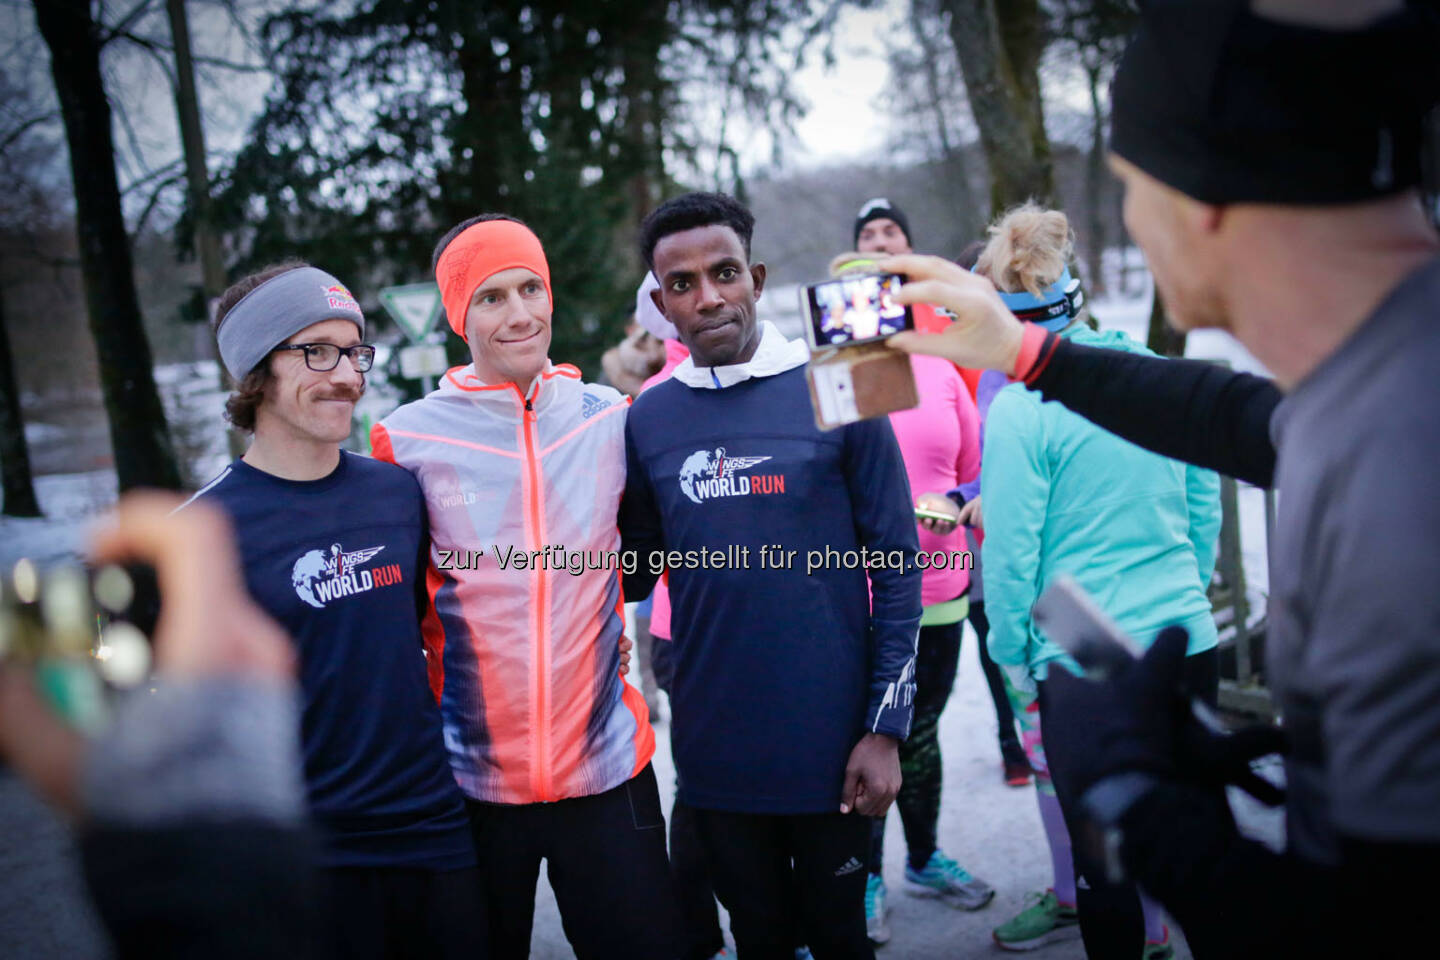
{"points": [[774, 355]]}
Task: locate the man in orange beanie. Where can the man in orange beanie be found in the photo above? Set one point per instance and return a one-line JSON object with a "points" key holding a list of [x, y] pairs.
{"points": [[523, 465]]}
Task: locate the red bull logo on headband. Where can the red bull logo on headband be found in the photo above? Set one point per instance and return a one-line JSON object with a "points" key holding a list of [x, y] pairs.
{"points": [[338, 298]]}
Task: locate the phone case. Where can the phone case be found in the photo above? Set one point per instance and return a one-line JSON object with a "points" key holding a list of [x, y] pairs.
{"points": [[848, 384]]}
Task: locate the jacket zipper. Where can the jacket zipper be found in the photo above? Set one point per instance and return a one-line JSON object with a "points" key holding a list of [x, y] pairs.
{"points": [[540, 692]]}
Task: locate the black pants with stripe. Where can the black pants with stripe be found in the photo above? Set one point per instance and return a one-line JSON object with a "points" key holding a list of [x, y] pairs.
{"points": [[605, 856], [778, 874]]}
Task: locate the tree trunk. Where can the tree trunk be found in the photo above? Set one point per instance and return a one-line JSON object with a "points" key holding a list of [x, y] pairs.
{"points": [[144, 455], [965, 212], [207, 238], [1163, 338], [999, 43], [1095, 188], [14, 454]]}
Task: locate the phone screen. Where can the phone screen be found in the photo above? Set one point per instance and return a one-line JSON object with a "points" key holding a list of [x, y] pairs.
{"points": [[856, 309]]}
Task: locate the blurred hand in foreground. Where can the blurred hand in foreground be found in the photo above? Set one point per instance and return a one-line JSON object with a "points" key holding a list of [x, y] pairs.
{"points": [[208, 627], [208, 623]]}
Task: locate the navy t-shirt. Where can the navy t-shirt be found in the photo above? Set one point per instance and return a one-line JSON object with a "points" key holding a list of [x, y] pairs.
{"points": [[338, 562]]}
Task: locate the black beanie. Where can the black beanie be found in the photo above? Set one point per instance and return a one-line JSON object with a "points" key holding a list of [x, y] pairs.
{"points": [[878, 208], [1228, 107]]}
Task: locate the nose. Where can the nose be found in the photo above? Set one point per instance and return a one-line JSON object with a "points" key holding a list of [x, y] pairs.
{"points": [[516, 312], [345, 371], [710, 298]]}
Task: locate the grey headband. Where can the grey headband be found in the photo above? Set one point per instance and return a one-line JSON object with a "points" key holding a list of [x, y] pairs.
{"points": [[277, 310]]}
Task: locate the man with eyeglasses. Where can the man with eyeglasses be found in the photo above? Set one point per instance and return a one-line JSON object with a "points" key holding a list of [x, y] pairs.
{"points": [[334, 547]]}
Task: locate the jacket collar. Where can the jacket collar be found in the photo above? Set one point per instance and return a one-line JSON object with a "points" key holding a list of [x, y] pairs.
{"points": [[463, 382], [774, 355]]}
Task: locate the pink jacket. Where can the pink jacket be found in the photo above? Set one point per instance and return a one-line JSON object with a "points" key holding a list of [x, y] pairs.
{"points": [[940, 441]]}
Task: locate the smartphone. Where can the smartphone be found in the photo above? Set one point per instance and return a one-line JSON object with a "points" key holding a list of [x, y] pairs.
{"points": [[924, 514], [1070, 617], [854, 309]]}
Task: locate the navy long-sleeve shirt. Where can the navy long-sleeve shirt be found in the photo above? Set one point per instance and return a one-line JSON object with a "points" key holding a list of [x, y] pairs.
{"points": [[786, 657]]}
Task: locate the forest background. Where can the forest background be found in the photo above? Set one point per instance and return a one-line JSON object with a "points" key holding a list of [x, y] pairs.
{"points": [[152, 151]]}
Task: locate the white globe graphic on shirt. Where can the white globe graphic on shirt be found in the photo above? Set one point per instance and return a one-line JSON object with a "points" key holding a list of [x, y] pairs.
{"points": [[694, 465], [307, 570]]}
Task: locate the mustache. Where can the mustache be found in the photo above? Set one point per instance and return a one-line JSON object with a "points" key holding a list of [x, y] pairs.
{"points": [[352, 394]]}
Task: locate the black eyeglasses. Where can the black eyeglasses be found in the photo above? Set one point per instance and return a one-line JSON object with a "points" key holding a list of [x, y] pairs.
{"points": [[324, 357]]}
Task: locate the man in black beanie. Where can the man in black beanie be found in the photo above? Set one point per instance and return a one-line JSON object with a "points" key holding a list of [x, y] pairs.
{"points": [[881, 227], [1270, 153]]}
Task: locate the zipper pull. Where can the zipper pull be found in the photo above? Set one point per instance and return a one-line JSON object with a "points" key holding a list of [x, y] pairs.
{"points": [[528, 407]]}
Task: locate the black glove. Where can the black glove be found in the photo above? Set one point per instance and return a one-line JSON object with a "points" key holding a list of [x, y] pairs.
{"points": [[1142, 721]]}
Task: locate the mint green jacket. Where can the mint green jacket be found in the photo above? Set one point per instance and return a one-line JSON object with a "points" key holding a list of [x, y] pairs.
{"points": [[1061, 495]]}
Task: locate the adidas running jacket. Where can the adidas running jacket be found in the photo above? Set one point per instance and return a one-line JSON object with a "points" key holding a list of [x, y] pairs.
{"points": [[523, 649]]}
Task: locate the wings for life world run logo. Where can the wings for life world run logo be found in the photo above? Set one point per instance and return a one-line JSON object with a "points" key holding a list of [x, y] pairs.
{"points": [[707, 474], [321, 576]]}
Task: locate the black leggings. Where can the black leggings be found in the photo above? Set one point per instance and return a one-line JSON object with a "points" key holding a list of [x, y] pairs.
{"points": [[921, 769], [1110, 918]]}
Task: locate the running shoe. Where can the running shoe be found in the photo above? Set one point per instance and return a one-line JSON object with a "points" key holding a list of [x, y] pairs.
{"points": [[1159, 951], [875, 926], [1044, 920], [950, 882], [1017, 774]]}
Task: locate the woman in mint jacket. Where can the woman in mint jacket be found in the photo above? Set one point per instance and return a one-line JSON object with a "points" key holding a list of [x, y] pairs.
{"points": [[1138, 531]]}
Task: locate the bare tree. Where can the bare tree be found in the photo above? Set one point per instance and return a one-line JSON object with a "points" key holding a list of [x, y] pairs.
{"points": [[143, 452], [14, 454], [999, 43]]}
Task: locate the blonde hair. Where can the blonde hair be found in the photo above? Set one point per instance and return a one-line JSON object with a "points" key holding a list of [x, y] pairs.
{"points": [[1029, 248]]}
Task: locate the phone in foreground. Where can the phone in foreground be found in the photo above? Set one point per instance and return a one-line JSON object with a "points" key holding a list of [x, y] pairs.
{"points": [[854, 309], [1073, 619], [924, 514], [1070, 617]]}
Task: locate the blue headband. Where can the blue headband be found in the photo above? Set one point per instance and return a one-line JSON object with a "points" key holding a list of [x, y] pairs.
{"points": [[1059, 303]]}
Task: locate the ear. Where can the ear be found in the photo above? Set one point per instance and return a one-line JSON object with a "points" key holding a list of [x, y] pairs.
{"points": [[1211, 216], [757, 274], [659, 301]]}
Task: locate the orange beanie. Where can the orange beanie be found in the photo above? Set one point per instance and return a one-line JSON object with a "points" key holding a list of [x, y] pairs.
{"points": [[480, 251]]}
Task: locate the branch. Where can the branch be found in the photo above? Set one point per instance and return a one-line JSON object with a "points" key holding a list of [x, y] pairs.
{"points": [[25, 126], [150, 205], [124, 117], [160, 171], [123, 25], [154, 48]]}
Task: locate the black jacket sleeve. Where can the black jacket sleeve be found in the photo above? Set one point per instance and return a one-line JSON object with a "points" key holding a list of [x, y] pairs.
{"points": [[1191, 410]]}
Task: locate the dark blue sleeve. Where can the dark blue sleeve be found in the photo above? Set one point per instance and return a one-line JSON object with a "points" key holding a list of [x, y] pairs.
{"points": [[640, 530], [885, 523]]}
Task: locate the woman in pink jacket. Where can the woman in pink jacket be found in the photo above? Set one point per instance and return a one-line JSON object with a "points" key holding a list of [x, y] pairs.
{"points": [[940, 441]]}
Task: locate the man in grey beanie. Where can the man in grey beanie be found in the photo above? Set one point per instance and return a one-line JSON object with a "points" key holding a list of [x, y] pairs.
{"points": [[334, 547]]}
